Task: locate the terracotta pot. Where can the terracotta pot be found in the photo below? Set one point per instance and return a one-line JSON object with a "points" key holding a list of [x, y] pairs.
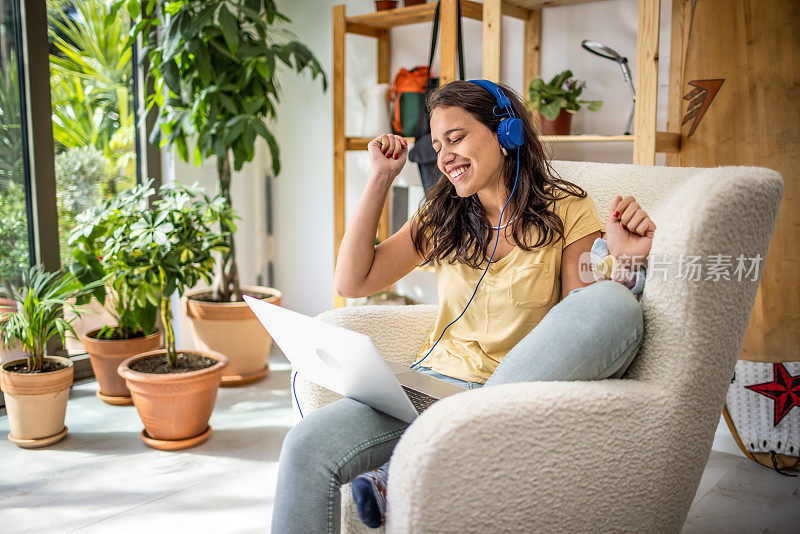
{"points": [[36, 403], [232, 329], [383, 5], [105, 357], [559, 126], [8, 306], [413, 2], [175, 408]]}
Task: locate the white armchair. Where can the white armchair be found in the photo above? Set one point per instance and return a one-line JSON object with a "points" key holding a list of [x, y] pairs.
{"points": [[603, 456]]}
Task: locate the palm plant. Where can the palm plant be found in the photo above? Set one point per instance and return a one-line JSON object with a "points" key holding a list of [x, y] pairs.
{"points": [[216, 80], [91, 78], [40, 312]]}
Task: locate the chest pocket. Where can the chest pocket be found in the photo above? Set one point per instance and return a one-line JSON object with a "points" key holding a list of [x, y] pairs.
{"points": [[531, 285]]}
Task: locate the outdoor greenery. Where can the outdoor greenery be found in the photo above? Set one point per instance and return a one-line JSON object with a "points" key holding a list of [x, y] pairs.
{"points": [[91, 88], [41, 299], [561, 92], [91, 82], [153, 252], [13, 218], [216, 82]]}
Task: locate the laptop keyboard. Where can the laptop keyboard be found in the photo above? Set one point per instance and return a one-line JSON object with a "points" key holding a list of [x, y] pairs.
{"points": [[420, 401]]}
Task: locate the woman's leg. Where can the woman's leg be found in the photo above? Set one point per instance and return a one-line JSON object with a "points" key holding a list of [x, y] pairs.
{"points": [[593, 333], [328, 448]]}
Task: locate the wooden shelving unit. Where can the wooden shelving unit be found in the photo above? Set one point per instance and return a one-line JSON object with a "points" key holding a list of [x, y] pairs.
{"points": [[646, 141]]}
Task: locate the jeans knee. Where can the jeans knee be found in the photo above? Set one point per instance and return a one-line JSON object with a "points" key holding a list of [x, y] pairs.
{"points": [[622, 304]]}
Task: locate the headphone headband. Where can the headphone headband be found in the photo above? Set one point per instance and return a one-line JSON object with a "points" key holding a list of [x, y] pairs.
{"points": [[502, 100]]}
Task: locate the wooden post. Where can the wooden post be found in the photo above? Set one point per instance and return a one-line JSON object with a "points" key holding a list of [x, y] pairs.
{"points": [[533, 44], [644, 142], [681, 18], [449, 47], [384, 76], [491, 39], [339, 29]]}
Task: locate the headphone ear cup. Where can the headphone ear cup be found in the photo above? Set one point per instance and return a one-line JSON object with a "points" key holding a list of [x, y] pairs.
{"points": [[510, 133]]}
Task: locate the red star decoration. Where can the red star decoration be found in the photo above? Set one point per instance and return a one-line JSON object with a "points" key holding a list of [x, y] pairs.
{"points": [[784, 390]]}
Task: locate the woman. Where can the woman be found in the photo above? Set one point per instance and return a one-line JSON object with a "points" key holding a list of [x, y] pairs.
{"points": [[517, 327]]}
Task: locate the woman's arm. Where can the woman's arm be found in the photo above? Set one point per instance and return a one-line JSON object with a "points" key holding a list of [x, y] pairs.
{"points": [[576, 267], [361, 267]]}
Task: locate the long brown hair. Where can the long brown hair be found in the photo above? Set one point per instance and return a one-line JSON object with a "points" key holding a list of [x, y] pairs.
{"points": [[449, 225]]}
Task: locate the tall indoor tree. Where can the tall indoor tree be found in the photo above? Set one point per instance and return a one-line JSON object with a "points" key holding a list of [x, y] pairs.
{"points": [[216, 67]]}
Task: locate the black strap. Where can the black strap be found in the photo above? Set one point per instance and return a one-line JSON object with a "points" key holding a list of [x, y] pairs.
{"points": [[435, 37], [423, 126]]}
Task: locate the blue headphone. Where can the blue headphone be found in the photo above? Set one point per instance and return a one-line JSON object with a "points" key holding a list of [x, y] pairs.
{"points": [[510, 132], [511, 135]]}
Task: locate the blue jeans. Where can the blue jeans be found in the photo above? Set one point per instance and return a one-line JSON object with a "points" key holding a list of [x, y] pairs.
{"points": [[593, 333]]}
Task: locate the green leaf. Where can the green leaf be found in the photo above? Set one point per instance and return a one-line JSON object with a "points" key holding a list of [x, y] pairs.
{"points": [[171, 75], [228, 103], [274, 149], [230, 28], [198, 21]]}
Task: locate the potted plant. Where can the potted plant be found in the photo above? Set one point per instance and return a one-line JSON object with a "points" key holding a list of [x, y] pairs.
{"points": [[556, 101], [36, 387], [171, 246], [216, 77], [131, 297]]}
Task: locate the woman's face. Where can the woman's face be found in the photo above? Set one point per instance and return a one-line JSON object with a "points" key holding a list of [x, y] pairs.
{"points": [[469, 152]]}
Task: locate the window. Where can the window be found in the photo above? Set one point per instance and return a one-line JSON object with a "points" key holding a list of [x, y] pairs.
{"points": [[14, 220], [91, 87]]}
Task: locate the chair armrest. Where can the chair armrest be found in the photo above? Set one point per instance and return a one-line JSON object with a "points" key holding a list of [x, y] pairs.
{"points": [[543, 457], [397, 331]]}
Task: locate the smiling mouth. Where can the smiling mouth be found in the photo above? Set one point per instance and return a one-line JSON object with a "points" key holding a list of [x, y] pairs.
{"points": [[458, 173]]}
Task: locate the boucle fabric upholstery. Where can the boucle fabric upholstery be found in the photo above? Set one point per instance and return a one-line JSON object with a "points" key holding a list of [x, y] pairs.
{"points": [[603, 456]]}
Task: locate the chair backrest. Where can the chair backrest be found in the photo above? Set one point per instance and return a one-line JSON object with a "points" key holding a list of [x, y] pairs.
{"points": [[714, 218]]}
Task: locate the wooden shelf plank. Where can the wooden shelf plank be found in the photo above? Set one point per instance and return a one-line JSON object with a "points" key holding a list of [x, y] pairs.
{"points": [[539, 4], [402, 16], [395, 17], [665, 141], [585, 138]]}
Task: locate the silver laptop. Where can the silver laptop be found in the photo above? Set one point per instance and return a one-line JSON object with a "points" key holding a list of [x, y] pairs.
{"points": [[349, 363]]}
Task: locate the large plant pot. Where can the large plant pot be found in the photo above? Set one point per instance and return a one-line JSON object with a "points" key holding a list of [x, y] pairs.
{"points": [[36, 403], [105, 357], [7, 307], [561, 125], [232, 329], [175, 408]]}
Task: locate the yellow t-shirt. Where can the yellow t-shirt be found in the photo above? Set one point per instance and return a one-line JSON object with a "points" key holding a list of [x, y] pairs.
{"points": [[516, 293]]}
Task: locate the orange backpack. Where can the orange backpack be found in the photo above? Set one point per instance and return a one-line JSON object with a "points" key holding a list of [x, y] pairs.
{"points": [[408, 97]]}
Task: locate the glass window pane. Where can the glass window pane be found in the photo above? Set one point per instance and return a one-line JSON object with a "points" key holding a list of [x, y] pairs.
{"points": [[92, 97], [14, 246]]}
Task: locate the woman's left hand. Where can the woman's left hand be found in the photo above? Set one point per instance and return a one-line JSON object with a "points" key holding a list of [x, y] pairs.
{"points": [[629, 231]]}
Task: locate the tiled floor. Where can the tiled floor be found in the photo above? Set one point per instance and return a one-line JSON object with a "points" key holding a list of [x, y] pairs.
{"points": [[102, 478]]}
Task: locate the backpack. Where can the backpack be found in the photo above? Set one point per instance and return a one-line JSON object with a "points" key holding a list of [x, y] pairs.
{"points": [[408, 97]]}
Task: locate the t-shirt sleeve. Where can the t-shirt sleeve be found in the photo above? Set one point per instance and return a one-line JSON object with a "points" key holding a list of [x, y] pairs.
{"points": [[580, 218]]}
